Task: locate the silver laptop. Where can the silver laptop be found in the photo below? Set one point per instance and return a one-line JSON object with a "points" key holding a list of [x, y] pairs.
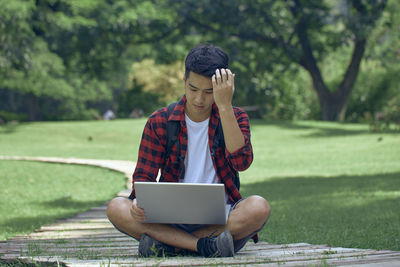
{"points": [[182, 203]]}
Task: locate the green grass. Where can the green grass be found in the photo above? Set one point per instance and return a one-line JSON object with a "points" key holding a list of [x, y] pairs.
{"points": [[86, 139], [33, 194], [327, 183]]}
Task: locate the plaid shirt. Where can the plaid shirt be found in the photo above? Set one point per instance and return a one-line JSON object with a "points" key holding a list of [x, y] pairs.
{"points": [[152, 150]]}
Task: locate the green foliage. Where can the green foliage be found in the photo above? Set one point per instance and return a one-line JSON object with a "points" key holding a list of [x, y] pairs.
{"points": [[11, 116], [376, 90], [166, 80], [273, 36], [137, 98], [68, 59], [287, 95], [73, 59], [388, 119]]}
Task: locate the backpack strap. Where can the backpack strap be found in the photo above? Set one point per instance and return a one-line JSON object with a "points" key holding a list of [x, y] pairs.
{"points": [[173, 128]]}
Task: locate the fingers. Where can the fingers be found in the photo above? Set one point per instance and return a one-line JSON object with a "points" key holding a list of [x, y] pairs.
{"points": [[222, 76], [218, 76], [137, 212], [214, 81]]}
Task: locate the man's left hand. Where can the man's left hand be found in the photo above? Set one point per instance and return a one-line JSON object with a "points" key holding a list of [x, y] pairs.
{"points": [[223, 82]]}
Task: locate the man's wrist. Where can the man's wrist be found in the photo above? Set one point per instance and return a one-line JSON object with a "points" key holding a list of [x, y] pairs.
{"points": [[224, 108]]}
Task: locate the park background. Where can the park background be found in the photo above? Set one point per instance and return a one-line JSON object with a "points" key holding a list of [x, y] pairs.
{"points": [[320, 81]]}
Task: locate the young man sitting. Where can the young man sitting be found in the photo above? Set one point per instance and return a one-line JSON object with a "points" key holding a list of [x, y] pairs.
{"points": [[209, 88]]}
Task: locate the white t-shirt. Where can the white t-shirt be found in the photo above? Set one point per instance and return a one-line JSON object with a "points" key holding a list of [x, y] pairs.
{"points": [[198, 163]]}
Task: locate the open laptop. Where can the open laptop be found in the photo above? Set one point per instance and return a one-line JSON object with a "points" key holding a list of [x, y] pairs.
{"points": [[182, 203]]}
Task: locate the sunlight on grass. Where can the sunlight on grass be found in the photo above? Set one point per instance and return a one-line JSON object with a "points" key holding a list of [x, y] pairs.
{"points": [[298, 149], [117, 139]]}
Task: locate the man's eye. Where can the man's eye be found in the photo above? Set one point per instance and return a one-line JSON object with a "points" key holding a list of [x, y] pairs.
{"points": [[209, 92]]}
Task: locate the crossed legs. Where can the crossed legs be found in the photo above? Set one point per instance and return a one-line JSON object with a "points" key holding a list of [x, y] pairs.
{"points": [[248, 216]]}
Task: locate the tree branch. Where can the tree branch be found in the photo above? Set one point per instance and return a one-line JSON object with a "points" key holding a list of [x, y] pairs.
{"points": [[159, 37], [308, 60], [246, 36], [353, 69], [289, 50]]}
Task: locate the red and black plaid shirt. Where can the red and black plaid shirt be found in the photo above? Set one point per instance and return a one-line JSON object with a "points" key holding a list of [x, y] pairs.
{"points": [[152, 150]]}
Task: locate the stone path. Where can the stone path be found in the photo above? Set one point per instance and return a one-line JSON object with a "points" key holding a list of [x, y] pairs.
{"points": [[88, 239]]}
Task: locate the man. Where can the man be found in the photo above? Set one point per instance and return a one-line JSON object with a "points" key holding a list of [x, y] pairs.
{"points": [[209, 88]]}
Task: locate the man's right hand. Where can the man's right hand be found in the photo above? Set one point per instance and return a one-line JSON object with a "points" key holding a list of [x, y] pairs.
{"points": [[137, 213]]}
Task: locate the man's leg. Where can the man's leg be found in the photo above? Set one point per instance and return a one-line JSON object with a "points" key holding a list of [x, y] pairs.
{"points": [[118, 212], [248, 216]]}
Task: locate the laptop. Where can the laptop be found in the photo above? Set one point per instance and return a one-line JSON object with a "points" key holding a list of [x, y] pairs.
{"points": [[182, 203]]}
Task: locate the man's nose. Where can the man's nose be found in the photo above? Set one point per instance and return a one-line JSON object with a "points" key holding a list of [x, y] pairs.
{"points": [[200, 97]]}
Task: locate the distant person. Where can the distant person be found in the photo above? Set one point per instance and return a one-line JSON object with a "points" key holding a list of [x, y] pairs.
{"points": [[109, 115], [209, 88]]}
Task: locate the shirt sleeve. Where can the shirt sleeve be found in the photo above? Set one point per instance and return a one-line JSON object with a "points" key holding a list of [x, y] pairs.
{"points": [[151, 154], [242, 158]]}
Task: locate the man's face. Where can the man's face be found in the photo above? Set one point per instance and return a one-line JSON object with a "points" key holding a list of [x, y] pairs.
{"points": [[199, 96]]}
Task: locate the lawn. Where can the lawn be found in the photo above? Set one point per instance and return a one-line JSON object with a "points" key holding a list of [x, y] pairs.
{"points": [[327, 183], [33, 194]]}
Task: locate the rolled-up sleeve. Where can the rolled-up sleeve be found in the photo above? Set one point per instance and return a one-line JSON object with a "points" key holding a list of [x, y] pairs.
{"points": [[242, 158]]}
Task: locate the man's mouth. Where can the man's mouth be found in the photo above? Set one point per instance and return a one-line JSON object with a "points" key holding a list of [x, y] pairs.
{"points": [[198, 107]]}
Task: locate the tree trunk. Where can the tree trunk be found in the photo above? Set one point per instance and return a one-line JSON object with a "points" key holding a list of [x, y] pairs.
{"points": [[33, 108], [333, 107]]}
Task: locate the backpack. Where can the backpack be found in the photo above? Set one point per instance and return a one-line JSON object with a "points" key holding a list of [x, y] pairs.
{"points": [[173, 128]]}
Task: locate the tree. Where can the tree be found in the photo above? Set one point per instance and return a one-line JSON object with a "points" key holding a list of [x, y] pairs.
{"points": [[286, 32], [68, 59]]}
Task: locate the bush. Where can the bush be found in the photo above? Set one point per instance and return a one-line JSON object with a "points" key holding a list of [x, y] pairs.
{"points": [[137, 98], [12, 116], [388, 119]]}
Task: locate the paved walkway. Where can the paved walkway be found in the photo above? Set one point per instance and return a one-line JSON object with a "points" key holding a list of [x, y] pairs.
{"points": [[88, 239]]}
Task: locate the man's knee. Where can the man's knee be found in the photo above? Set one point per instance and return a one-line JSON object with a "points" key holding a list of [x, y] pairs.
{"points": [[259, 209], [115, 208]]}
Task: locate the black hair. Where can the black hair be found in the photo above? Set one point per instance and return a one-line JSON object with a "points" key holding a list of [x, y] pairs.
{"points": [[204, 59]]}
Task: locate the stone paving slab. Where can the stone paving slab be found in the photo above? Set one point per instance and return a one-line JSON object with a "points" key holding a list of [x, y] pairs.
{"points": [[88, 239]]}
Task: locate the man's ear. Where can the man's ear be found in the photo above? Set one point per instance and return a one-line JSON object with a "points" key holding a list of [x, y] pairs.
{"points": [[184, 77]]}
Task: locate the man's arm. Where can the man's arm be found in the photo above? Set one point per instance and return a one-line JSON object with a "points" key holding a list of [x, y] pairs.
{"points": [[223, 88], [151, 153]]}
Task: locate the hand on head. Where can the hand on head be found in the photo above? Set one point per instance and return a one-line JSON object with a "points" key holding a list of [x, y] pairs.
{"points": [[223, 82]]}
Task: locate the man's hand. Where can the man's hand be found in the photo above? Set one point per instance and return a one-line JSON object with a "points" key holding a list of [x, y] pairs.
{"points": [[137, 213], [223, 82]]}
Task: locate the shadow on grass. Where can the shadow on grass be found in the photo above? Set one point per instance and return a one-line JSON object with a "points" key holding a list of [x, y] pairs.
{"points": [[8, 128], [68, 203], [318, 131], [285, 124], [347, 211], [333, 132]]}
